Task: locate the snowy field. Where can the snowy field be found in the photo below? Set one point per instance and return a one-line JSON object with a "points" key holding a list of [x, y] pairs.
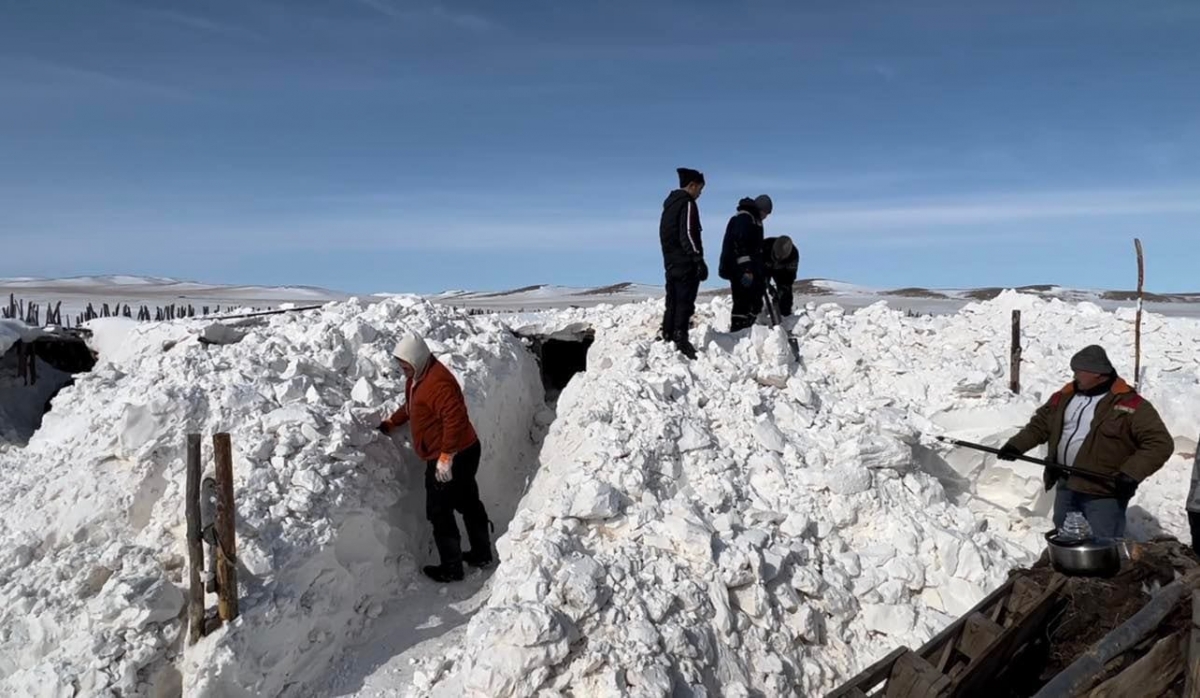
{"points": [[744, 524], [76, 293]]}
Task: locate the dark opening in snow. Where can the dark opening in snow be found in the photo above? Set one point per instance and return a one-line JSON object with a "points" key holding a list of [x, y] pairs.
{"points": [[560, 355], [32, 373], [68, 353]]}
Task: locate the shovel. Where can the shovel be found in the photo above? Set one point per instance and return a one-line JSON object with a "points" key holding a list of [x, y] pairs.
{"points": [[777, 319], [1066, 469]]}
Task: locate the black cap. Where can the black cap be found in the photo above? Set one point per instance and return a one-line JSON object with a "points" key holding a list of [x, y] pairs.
{"points": [[687, 176], [1092, 359]]}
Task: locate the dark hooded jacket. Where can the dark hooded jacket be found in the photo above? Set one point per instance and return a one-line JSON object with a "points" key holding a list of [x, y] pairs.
{"points": [[783, 271], [679, 232], [742, 249]]}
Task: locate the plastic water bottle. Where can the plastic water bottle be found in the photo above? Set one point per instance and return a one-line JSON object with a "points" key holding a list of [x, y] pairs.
{"points": [[1075, 528]]}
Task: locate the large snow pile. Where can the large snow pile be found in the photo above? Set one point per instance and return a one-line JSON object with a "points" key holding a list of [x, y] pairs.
{"points": [[745, 524], [330, 512], [741, 524]]}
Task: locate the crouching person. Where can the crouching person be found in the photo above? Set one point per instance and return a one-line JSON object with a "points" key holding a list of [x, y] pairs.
{"points": [[781, 261], [442, 435], [1098, 424]]}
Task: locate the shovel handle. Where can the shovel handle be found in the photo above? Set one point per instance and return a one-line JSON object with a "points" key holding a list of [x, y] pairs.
{"points": [[1037, 461]]}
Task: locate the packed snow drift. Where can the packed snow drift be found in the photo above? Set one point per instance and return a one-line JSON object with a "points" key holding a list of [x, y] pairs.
{"points": [[330, 511], [736, 525]]}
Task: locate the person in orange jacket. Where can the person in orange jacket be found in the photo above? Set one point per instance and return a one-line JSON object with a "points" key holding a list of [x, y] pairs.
{"points": [[442, 435]]}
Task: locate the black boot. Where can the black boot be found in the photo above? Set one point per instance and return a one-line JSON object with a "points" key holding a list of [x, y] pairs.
{"points": [[443, 573], [480, 554], [684, 346], [451, 569]]}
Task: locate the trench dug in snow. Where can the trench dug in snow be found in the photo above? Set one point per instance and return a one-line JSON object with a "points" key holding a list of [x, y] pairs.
{"points": [[429, 617]]}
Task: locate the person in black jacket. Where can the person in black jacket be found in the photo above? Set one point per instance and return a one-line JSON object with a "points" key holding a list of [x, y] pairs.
{"points": [[742, 260], [683, 258], [781, 260]]}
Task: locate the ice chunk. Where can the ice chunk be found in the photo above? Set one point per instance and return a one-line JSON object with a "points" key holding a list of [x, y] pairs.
{"points": [[595, 500]]}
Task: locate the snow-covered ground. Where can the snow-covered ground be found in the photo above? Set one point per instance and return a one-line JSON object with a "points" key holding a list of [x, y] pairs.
{"points": [[744, 524], [76, 293]]}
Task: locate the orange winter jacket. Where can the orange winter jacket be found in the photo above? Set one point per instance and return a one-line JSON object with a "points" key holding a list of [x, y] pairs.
{"points": [[437, 412]]}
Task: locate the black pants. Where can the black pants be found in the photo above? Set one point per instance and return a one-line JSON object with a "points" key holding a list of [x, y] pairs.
{"points": [[461, 494], [785, 299], [747, 304], [683, 285], [1194, 524]]}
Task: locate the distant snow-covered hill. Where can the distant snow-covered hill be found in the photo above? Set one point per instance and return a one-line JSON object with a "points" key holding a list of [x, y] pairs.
{"points": [[75, 293]]}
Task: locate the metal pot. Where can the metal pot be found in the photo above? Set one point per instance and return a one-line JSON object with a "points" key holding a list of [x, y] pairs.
{"points": [[1095, 557]]}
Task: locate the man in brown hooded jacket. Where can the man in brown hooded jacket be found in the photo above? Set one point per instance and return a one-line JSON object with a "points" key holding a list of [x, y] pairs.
{"points": [[1096, 423]]}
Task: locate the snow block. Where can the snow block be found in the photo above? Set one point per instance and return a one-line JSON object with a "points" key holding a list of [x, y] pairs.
{"points": [[595, 500]]}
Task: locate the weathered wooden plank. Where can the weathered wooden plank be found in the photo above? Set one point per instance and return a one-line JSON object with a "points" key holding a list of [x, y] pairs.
{"points": [[913, 677], [1192, 683], [944, 658], [194, 546], [1014, 367], [984, 669], [979, 632], [869, 677], [1025, 593], [227, 593], [1150, 675]]}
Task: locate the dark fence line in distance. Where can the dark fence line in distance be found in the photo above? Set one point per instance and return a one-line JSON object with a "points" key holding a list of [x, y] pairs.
{"points": [[37, 315]]}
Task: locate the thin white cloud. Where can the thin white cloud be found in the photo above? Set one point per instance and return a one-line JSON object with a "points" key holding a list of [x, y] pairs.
{"points": [[849, 181], [869, 216], [89, 77], [410, 13], [203, 24]]}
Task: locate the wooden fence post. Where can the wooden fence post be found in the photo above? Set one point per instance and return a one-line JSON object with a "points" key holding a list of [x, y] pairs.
{"points": [[227, 594], [1137, 327], [1191, 686], [1014, 370], [195, 551]]}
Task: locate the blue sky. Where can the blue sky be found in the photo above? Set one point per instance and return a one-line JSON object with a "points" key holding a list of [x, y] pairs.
{"points": [[412, 145]]}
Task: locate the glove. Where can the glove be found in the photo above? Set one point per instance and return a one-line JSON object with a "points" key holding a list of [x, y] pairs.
{"points": [[385, 426], [445, 461], [702, 270], [747, 280], [1125, 486], [1051, 476], [1008, 452]]}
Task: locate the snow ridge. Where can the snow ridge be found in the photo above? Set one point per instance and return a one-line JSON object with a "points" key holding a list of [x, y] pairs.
{"points": [[331, 512], [745, 524], [729, 527]]}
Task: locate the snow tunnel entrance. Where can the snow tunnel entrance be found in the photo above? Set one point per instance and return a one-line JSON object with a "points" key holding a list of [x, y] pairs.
{"points": [[560, 355], [32, 372]]}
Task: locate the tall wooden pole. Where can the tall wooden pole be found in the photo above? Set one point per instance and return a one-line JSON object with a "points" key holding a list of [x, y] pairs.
{"points": [[227, 600], [195, 550], [1137, 328], [1014, 369]]}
